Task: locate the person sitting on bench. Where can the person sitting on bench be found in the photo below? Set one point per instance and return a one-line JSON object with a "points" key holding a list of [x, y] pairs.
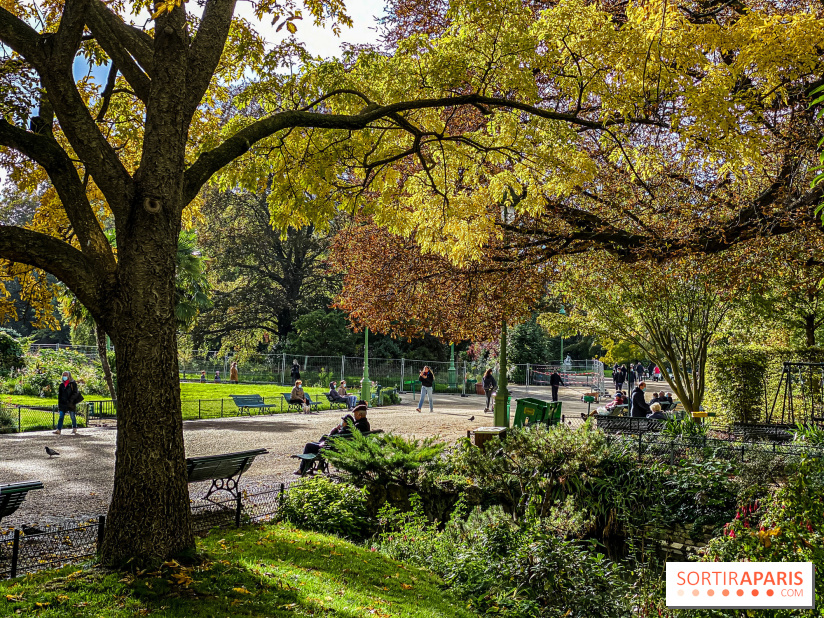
{"points": [[342, 392], [656, 412], [334, 397], [299, 396], [356, 420]]}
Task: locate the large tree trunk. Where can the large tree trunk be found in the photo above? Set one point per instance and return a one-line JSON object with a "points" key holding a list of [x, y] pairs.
{"points": [[149, 515], [100, 336]]}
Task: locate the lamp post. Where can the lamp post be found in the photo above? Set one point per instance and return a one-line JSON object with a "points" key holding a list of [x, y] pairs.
{"points": [[501, 399], [562, 312], [366, 385], [452, 372]]}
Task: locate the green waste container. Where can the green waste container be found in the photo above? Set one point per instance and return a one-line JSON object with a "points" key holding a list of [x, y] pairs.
{"points": [[530, 411], [553, 413]]}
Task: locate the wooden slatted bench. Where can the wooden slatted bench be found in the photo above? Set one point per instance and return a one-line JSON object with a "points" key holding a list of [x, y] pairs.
{"points": [[319, 463], [296, 407], [13, 495], [223, 470], [628, 424], [763, 431], [247, 403]]}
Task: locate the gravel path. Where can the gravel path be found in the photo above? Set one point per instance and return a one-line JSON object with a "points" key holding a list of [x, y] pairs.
{"points": [[78, 483]]}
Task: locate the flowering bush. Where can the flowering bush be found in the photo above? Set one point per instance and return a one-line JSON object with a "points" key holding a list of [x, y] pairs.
{"points": [[40, 377]]}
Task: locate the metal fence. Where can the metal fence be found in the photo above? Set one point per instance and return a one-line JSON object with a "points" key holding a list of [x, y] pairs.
{"points": [[58, 546], [401, 374], [15, 418]]}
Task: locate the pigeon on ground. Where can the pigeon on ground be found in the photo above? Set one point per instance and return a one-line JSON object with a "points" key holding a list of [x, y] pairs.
{"points": [[471, 418], [51, 452], [27, 530]]}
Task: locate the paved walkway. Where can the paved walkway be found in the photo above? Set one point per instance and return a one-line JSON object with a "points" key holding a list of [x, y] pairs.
{"points": [[78, 483]]}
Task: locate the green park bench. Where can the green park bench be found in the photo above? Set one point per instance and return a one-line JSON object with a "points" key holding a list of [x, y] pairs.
{"points": [[774, 432], [336, 404], [296, 407], [319, 463], [12, 496], [223, 470], [628, 424], [247, 403]]}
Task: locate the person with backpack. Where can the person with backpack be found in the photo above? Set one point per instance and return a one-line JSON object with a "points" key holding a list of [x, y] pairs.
{"points": [[68, 396], [427, 380], [490, 384]]}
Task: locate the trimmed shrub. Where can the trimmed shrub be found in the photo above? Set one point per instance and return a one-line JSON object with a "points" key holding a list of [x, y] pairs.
{"points": [[11, 353], [742, 382], [323, 506]]}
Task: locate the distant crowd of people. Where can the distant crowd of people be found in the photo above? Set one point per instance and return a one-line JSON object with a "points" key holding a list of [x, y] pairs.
{"points": [[639, 407], [621, 374]]}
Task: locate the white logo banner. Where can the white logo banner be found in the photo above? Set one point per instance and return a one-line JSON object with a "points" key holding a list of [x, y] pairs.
{"points": [[741, 585]]}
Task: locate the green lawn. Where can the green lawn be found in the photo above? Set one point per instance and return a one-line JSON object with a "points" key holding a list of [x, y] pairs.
{"points": [[270, 571], [198, 401]]}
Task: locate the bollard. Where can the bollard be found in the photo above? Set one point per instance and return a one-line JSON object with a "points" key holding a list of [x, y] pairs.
{"points": [[101, 529], [15, 553], [238, 510]]}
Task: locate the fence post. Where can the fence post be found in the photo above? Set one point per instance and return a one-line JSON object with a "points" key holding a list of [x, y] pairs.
{"points": [[283, 369], [403, 367], [238, 510], [463, 387], [19, 420], [639, 441], [101, 529], [198, 410], [221, 408], [54, 409], [15, 553], [342, 367], [527, 377]]}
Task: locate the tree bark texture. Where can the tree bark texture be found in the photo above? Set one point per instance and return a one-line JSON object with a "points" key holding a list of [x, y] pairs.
{"points": [[100, 337], [149, 515]]}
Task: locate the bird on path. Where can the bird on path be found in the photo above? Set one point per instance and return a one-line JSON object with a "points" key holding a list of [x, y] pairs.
{"points": [[51, 452], [471, 418], [27, 530]]}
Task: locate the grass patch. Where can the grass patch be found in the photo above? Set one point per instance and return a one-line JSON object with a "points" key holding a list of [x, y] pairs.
{"points": [[198, 401], [271, 571]]}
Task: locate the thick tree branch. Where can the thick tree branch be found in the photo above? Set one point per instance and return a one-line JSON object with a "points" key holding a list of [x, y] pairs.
{"points": [[133, 40], [103, 23], [45, 151], [20, 37], [55, 257], [210, 162], [206, 49]]}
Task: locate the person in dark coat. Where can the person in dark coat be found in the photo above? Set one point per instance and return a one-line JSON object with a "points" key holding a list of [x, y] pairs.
{"points": [[640, 407], [621, 377], [295, 371], [630, 377], [555, 381], [68, 396], [490, 384], [350, 422], [334, 397]]}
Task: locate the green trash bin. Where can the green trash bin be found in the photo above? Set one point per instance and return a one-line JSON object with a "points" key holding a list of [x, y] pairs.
{"points": [[553, 414], [530, 411]]}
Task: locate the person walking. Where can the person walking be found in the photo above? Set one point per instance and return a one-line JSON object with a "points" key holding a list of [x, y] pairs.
{"points": [[621, 377], [631, 377], [656, 373], [555, 381], [490, 384], [427, 380], [233, 375], [68, 396], [295, 371]]}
